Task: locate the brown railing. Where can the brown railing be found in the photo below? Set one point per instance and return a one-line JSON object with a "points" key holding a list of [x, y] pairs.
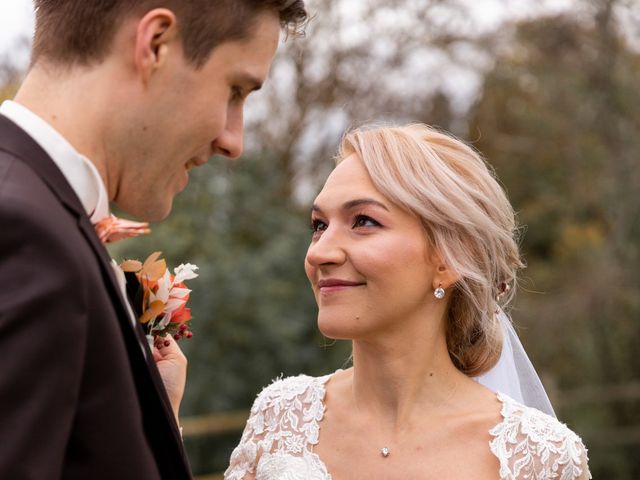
{"points": [[214, 424]]}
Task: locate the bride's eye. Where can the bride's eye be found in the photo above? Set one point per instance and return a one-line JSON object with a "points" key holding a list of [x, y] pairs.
{"points": [[365, 221], [317, 226]]}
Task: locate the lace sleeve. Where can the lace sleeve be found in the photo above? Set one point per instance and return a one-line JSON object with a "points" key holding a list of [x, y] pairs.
{"points": [[284, 420], [570, 458], [531, 444], [245, 456], [584, 462]]}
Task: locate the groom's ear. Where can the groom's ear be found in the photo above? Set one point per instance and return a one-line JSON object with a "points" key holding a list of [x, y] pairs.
{"points": [[154, 35]]}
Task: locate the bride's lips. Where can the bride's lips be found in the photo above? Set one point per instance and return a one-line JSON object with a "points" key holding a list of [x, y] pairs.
{"points": [[332, 285]]}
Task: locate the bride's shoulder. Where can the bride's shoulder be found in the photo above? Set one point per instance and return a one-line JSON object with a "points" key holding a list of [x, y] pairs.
{"points": [[284, 393], [532, 423], [528, 440]]}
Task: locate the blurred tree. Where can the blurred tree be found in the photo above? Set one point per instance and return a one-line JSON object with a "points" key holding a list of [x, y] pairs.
{"points": [[9, 82], [377, 60], [559, 119], [557, 115], [11, 71], [254, 311]]}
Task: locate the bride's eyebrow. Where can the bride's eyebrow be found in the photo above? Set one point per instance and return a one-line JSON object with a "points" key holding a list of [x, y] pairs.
{"points": [[362, 202], [351, 204]]}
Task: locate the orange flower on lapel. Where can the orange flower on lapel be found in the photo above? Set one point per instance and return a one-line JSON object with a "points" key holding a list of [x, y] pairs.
{"points": [[163, 295]]}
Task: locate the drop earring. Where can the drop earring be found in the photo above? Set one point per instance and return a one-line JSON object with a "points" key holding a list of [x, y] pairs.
{"points": [[439, 292]]}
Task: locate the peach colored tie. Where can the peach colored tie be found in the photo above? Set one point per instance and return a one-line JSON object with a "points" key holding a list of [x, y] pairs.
{"points": [[111, 229]]}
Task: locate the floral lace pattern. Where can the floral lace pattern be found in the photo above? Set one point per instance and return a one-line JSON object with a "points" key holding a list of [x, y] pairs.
{"points": [[284, 425], [532, 445]]}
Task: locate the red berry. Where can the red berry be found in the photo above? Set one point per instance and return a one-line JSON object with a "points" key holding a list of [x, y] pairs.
{"points": [[183, 327], [189, 334], [177, 336]]}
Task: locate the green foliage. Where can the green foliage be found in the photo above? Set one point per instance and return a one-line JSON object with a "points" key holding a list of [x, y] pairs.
{"points": [[559, 118], [254, 313], [7, 91]]}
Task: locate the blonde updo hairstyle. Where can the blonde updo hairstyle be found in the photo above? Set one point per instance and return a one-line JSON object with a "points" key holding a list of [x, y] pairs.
{"points": [[468, 221]]}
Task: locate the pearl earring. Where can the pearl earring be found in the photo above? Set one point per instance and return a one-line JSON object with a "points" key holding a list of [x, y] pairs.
{"points": [[439, 292]]}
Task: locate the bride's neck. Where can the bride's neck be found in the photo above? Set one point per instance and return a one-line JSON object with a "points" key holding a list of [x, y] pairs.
{"points": [[397, 380]]}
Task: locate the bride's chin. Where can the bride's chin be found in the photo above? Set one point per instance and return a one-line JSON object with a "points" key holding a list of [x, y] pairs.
{"points": [[336, 329]]}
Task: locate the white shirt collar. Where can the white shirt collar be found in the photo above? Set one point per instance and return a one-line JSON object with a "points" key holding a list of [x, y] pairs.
{"points": [[81, 174]]}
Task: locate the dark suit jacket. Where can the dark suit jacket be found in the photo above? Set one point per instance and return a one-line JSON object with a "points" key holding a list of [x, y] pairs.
{"points": [[78, 399]]}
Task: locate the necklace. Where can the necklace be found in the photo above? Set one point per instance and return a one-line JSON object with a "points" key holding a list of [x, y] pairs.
{"points": [[385, 452]]}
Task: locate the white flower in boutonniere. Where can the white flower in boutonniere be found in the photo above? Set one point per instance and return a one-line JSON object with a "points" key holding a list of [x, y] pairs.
{"points": [[161, 297]]}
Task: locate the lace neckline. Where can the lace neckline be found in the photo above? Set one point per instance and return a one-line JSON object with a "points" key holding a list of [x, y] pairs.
{"points": [[284, 428], [507, 405]]}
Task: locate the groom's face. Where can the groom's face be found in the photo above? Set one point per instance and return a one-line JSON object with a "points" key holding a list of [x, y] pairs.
{"points": [[194, 114]]}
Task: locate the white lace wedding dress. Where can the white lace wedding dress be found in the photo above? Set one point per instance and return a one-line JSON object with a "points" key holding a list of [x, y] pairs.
{"points": [[277, 443]]}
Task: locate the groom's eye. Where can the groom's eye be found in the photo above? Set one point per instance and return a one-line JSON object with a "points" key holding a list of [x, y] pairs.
{"points": [[236, 93]]}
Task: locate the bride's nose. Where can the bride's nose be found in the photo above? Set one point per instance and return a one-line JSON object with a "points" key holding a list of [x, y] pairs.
{"points": [[327, 249]]}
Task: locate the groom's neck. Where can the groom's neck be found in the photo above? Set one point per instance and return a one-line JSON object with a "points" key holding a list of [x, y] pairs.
{"points": [[77, 103]]}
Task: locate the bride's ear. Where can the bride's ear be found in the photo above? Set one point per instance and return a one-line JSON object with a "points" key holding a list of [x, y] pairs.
{"points": [[445, 276]]}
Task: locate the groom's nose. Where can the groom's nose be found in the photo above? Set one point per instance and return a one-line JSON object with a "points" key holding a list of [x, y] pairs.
{"points": [[230, 142]]}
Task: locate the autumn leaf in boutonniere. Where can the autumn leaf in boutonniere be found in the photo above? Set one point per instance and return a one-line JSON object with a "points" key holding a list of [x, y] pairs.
{"points": [[162, 297]]}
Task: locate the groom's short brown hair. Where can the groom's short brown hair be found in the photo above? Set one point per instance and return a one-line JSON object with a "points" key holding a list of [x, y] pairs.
{"points": [[81, 31]]}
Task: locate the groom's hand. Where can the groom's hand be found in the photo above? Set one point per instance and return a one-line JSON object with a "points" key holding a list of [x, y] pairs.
{"points": [[172, 365]]}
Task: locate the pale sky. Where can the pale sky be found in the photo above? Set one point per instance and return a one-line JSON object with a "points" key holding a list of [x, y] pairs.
{"points": [[16, 21], [16, 18]]}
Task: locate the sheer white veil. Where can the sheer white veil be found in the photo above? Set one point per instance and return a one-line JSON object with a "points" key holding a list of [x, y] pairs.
{"points": [[514, 374]]}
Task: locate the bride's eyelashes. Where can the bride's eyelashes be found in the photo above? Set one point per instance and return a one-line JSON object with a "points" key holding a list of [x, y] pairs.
{"points": [[360, 221], [365, 221]]}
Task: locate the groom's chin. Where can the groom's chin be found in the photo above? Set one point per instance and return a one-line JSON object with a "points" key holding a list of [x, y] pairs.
{"points": [[150, 210]]}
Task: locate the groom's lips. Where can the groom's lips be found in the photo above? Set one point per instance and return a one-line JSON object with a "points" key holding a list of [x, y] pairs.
{"points": [[185, 180], [200, 161], [191, 163], [195, 162]]}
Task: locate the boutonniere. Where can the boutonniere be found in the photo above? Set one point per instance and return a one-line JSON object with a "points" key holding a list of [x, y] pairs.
{"points": [[161, 297]]}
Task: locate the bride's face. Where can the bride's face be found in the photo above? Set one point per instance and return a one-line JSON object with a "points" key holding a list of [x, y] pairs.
{"points": [[368, 261]]}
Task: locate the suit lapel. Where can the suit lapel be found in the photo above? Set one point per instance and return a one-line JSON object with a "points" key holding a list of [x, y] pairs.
{"points": [[16, 141], [123, 316]]}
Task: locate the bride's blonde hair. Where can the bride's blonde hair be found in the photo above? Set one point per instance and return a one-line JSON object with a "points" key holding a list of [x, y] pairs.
{"points": [[468, 221]]}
